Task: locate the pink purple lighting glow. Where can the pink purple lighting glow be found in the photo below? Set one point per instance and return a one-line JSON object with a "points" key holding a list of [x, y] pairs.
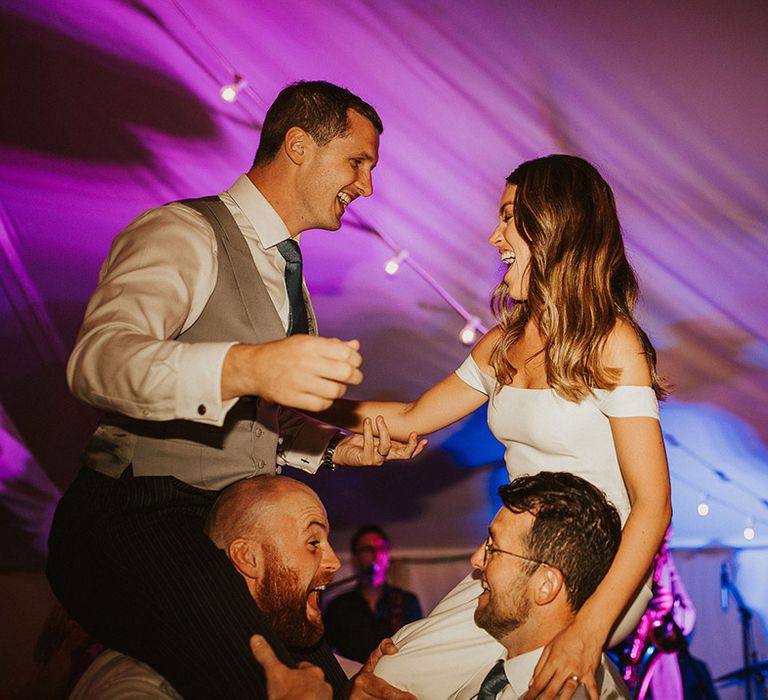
{"points": [[116, 108]]}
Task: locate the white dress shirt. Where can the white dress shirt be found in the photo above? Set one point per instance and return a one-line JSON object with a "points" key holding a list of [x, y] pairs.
{"points": [[154, 284], [115, 676], [518, 670]]}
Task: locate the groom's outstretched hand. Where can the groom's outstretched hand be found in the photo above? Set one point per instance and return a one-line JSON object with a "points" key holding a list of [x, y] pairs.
{"points": [[366, 449]]}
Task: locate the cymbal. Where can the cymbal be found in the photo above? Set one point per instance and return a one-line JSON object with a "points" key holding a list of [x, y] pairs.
{"points": [[739, 675]]}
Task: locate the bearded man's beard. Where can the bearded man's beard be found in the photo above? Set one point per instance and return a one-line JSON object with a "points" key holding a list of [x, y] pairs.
{"points": [[283, 601], [499, 623]]}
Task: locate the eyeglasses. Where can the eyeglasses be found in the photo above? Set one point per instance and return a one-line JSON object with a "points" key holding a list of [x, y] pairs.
{"points": [[489, 550]]}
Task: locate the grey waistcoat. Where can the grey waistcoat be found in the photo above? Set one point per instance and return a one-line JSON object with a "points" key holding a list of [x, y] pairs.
{"points": [[239, 309]]}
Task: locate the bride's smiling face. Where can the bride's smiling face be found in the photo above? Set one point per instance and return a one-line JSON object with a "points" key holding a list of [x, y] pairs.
{"points": [[513, 248]]}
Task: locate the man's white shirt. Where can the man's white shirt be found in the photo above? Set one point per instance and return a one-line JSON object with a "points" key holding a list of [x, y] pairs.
{"points": [[153, 285]]}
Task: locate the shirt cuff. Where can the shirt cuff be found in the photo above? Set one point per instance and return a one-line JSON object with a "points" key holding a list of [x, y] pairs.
{"points": [[198, 387], [306, 447]]}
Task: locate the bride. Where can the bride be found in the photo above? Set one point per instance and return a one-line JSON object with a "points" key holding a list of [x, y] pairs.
{"points": [[570, 381]]}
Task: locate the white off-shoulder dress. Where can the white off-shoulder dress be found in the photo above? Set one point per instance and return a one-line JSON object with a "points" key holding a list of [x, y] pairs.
{"points": [[540, 431]]}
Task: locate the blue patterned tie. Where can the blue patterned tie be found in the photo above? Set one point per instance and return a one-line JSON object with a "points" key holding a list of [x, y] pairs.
{"points": [[494, 682], [299, 323]]}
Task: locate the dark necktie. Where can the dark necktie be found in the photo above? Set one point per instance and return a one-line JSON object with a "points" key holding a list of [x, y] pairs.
{"points": [[494, 682], [298, 322]]}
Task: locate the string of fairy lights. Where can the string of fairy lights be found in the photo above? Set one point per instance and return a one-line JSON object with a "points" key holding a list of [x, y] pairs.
{"points": [[472, 324], [706, 498], [236, 85]]}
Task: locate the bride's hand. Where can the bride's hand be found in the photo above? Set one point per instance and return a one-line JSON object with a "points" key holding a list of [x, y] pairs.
{"points": [[569, 660], [366, 450]]}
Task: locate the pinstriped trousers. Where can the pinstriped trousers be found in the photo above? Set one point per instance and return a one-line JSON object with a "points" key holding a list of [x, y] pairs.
{"points": [[128, 559]]}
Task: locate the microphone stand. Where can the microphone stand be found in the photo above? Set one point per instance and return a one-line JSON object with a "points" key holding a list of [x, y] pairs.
{"points": [[348, 579], [357, 578], [746, 635]]}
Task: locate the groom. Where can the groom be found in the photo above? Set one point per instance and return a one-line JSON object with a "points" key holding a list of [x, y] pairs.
{"points": [[198, 341]]}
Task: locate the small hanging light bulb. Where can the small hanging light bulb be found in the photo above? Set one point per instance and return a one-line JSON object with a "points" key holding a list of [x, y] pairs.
{"points": [[229, 92], [749, 530], [703, 508], [393, 264], [468, 334]]}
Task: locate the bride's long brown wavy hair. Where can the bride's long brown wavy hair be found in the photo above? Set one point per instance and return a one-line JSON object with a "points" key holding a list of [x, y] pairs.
{"points": [[580, 281]]}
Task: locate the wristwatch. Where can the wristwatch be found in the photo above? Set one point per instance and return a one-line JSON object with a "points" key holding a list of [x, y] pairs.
{"points": [[327, 460]]}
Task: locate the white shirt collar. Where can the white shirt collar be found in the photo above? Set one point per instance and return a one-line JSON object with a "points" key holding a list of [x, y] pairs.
{"points": [[269, 227], [519, 670]]}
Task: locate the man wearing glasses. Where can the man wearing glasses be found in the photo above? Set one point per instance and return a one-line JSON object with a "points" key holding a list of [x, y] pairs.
{"points": [[548, 548]]}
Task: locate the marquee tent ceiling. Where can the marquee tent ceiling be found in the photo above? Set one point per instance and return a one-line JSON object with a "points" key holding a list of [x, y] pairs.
{"points": [[112, 106]]}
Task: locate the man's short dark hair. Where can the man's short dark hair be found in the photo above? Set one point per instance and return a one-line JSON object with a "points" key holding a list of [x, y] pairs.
{"points": [[366, 529], [576, 529], [318, 107]]}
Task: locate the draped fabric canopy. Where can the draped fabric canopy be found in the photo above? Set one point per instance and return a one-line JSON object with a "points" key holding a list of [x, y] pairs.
{"points": [[112, 106]]}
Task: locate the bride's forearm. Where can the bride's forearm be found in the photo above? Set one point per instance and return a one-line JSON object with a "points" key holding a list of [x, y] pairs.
{"points": [[349, 414], [443, 404]]}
